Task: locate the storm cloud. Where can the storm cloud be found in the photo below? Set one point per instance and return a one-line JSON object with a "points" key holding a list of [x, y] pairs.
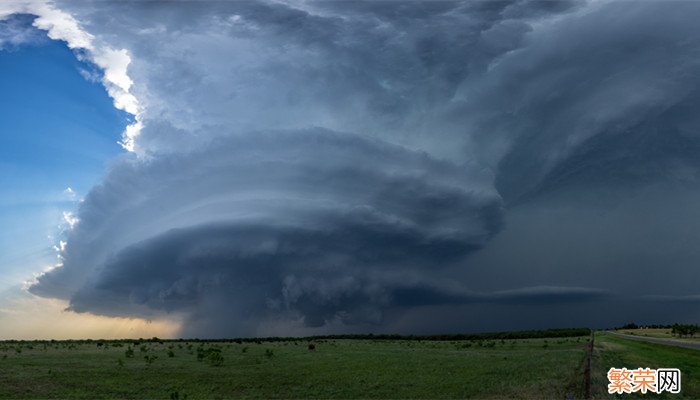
{"points": [[349, 166], [294, 221]]}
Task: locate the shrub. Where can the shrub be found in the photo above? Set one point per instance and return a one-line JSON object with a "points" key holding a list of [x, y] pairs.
{"points": [[150, 358], [215, 358], [176, 396], [129, 353], [201, 353]]}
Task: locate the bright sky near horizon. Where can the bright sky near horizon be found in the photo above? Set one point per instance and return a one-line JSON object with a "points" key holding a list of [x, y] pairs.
{"points": [[262, 167]]}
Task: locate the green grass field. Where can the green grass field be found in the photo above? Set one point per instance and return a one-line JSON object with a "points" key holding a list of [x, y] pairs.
{"points": [[525, 368], [611, 351], [339, 368]]}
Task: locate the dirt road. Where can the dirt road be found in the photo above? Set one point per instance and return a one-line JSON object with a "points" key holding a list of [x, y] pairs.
{"points": [[669, 342]]}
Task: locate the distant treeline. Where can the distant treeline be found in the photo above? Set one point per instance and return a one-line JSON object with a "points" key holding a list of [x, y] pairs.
{"points": [[632, 325], [684, 330], [676, 329], [548, 333]]}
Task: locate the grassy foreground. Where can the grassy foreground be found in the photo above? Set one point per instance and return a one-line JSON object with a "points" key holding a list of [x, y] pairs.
{"points": [[611, 351], [523, 368]]}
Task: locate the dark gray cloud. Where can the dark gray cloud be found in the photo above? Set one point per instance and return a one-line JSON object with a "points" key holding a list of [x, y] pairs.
{"points": [[688, 299], [409, 166], [421, 295], [313, 222], [593, 95]]}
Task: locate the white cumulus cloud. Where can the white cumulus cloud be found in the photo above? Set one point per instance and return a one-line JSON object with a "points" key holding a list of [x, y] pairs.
{"points": [[60, 25]]}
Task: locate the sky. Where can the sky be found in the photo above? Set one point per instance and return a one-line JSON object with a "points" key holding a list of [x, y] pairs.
{"points": [[48, 107], [256, 168]]}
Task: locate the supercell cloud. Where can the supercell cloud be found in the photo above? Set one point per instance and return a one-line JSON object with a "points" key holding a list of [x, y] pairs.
{"points": [[315, 224], [411, 166]]}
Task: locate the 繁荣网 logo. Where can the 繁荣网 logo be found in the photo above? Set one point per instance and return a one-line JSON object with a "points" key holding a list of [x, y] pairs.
{"points": [[623, 380]]}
